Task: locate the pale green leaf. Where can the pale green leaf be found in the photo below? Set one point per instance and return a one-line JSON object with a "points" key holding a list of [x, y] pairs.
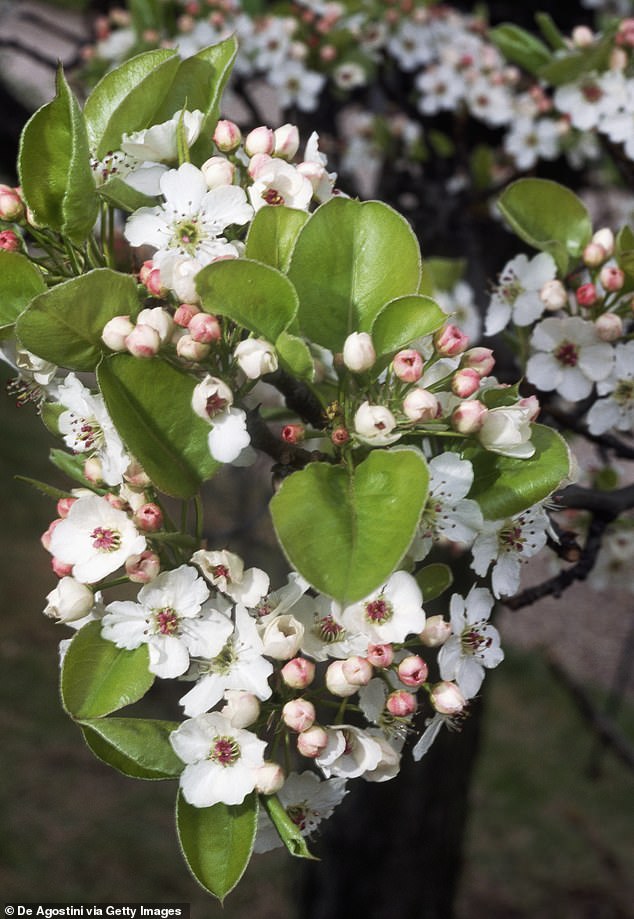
{"points": [[138, 747], [272, 235]]}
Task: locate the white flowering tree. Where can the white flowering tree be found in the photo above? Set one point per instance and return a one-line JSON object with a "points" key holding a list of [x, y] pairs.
{"points": [[175, 298]]}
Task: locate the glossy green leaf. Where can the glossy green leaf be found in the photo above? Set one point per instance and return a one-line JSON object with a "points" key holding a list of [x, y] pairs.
{"points": [[198, 84], [20, 281], [217, 841], [574, 65], [72, 466], [289, 832], [43, 487], [126, 99], [138, 747], [98, 678], [149, 402], [349, 260], [64, 324], [295, 356], [434, 580], [495, 398], [403, 320], [254, 295], [147, 14], [272, 235], [551, 33], [444, 273], [547, 216], [54, 167], [346, 531], [520, 47], [119, 194], [505, 485]]}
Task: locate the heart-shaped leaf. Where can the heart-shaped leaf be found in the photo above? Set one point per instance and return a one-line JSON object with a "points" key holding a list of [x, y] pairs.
{"points": [[349, 260], [505, 485], [150, 404], [64, 324], [346, 530], [98, 678], [272, 235], [138, 747], [217, 841], [254, 295]]}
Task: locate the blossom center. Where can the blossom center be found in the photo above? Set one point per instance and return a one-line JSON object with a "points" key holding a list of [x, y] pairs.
{"points": [[567, 354], [225, 751], [591, 92], [166, 620], [214, 404], [105, 539], [221, 571], [188, 236], [473, 641], [297, 813], [329, 630], [511, 538], [87, 431], [624, 392], [272, 196], [510, 288], [378, 611]]}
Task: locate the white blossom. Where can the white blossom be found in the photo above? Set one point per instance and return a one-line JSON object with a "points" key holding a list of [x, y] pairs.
{"points": [[474, 644]]}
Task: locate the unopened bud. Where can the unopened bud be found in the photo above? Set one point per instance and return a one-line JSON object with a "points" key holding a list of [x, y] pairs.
{"points": [[465, 383], [143, 568], [204, 327], [10, 241], [149, 518], [413, 671], [93, 470], [594, 255], [469, 417], [357, 671], [159, 319], [115, 332], [184, 313], [408, 365], [436, 632], [269, 778], [582, 36], [340, 436], [401, 703], [188, 349], [293, 433], [447, 698], [450, 341], [612, 278], [260, 140], [531, 406], [420, 406], [586, 295], [227, 136], [64, 505], [69, 601], [310, 743], [299, 715], [241, 708], [553, 295], [479, 359], [218, 172], [609, 327], [337, 683], [143, 341], [380, 656], [11, 204], [358, 352], [298, 673], [605, 238], [286, 141]]}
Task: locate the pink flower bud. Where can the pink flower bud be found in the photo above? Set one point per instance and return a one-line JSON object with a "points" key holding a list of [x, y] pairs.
{"points": [[45, 538], [408, 365], [413, 671], [299, 715], [480, 360], [380, 655], [298, 673], [143, 568], [436, 632], [64, 505], [293, 433], [10, 241], [310, 743], [469, 417], [242, 708], [357, 671], [184, 314], [11, 204], [401, 703], [69, 601], [582, 36], [465, 382], [532, 406], [553, 295], [150, 277], [204, 327], [227, 136], [115, 332], [447, 698], [586, 295], [594, 255], [61, 569], [93, 471], [260, 140], [605, 238], [358, 352], [190, 350], [136, 475], [149, 518], [609, 327], [340, 436], [258, 164], [159, 319], [143, 341], [269, 778], [314, 172], [286, 141], [420, 405], [612, 278], [450, 341], [218, 172], [115, 501], [337, 683]]}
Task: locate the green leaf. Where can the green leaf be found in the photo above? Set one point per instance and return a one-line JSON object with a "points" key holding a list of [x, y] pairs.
{"points": [[54, 167], [20, 281], [550, 31], [199, 83], [126, 98], [547, 216], [272, 235], [444, 272], [254, 295], [72, 466], [64, 324], [349, 260], [138, 747], [624, 250], [149, 402], [295, 356], [504, 485], [49, 490], [119, 194], [434, 580], [98, 678], [403, 320], [289, 832], [520, 47], [505, 395], [217, 841], [568, 68], [346, 530]]}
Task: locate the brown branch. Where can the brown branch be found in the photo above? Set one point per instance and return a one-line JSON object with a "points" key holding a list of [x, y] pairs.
{"points": [[298, 397], [288, 457]]}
